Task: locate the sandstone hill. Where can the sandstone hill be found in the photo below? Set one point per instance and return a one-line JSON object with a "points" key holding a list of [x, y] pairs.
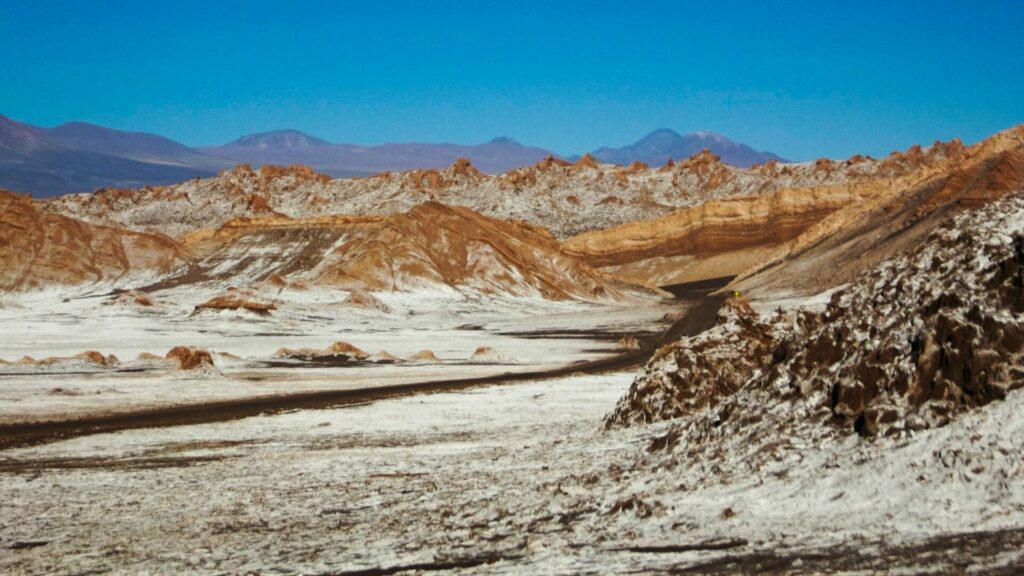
{"points": [[430, 247], [38, 249]]}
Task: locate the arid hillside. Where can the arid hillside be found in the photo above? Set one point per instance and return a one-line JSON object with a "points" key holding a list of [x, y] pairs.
{"points": [[431, 246], [865, 220], [38, 249], [862, 234]]}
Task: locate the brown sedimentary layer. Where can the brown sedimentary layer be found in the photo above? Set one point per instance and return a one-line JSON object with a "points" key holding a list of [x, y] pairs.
{"points": [[40, 249], [713, 227]]}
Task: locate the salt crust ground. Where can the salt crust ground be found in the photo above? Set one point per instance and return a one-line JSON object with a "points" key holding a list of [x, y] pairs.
{"points": [[449, 323], [522, 472]]}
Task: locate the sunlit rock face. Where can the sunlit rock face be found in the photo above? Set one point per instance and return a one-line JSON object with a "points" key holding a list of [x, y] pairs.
{"points": [[39, 249]]}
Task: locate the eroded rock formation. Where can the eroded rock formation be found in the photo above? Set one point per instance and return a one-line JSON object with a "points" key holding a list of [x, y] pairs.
{"points": [[566, 198], [431, 246], [39, 249]]}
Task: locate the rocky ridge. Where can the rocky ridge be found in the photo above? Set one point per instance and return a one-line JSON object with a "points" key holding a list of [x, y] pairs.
{"points": [[566, 197]]}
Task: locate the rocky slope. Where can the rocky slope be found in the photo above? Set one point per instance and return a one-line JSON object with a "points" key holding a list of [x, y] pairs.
{"points": [[430, 247], [38, 249], [909, 345], [567, 198], [728, 237]]}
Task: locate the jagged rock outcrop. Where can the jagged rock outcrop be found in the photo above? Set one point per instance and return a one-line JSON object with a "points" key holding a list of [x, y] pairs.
{"points": [[910, 344], [40, 249], [685, 378]]}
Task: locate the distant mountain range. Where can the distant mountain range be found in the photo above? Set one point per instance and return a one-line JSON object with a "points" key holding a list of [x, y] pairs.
{"points": [[80, 157], [294, 147], [661, 145]]}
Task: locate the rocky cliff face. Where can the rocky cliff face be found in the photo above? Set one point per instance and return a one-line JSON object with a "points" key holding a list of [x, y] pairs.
{"points": [[38, 249], [731, 236]]}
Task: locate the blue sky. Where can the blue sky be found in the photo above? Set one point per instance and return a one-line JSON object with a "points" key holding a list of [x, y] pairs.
{"points": [[803, 79]]}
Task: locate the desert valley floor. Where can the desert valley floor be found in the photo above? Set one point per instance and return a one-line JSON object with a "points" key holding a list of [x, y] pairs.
{"points": [[512, 477]]}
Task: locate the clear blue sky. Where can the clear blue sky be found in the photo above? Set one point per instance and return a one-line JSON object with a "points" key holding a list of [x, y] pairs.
{"points": [[804, 79]]}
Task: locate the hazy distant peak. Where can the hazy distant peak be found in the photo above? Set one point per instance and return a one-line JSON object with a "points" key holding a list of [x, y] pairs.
{"points": [[663, 133], [505, 140], [664, 144], [19, 138], [279, 139], [120, 143]]}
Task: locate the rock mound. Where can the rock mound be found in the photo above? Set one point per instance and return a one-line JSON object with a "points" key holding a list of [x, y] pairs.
{"points": [[191, 358], [363, 299], [238, 301], [90, 358], [628, 343], [131, 298], [488, 355], [424, 357], [338, 351], [384, 357]]}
